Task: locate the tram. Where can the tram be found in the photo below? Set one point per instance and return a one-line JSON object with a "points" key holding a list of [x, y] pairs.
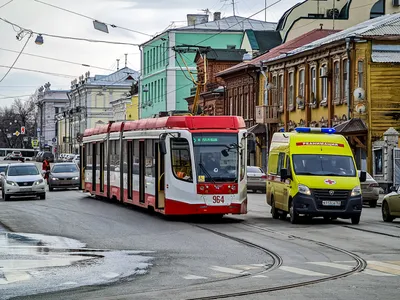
{"points": [[174, 165]]}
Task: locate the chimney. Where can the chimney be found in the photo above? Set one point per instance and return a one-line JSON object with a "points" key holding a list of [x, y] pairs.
{"points": [[217, 16], [193, 19]]}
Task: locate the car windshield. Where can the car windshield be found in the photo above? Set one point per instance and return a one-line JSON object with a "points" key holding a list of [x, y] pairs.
{"points": [[3, 168], [324, 165], [254, 170], [22, 171], [216, 157], [64, 169]]}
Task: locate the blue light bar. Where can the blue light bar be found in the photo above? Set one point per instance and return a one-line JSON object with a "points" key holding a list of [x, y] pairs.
{"points": [[315, 129]]}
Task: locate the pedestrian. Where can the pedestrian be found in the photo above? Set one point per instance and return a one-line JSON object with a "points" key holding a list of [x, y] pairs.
{"points": [[21, 159], [46, 168]]}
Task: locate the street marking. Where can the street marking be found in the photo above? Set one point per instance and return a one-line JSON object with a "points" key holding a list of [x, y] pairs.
{"points": [[228, 270], [301, 271], [394, 262], [248, 267], [193, 277], [259, 276], [344, 267], [15, 276], [384, 267], [258, 265]]}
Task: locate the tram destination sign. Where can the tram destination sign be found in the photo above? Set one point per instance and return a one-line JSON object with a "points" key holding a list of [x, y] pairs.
{"points": [[205, 140]]}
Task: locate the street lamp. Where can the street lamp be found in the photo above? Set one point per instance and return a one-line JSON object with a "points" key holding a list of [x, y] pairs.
{"points": [[39, 40]]}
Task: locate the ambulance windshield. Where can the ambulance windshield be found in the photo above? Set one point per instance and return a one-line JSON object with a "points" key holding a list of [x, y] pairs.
{"points": [[323, 165]]}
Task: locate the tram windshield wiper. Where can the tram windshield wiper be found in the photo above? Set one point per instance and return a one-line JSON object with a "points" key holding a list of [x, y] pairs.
{"points": [[206, 172]]}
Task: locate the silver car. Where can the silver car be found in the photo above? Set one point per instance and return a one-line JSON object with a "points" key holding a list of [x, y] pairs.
{"points": [[3, 170], [64, 175], [23, 179], [256, 179], [370, 191]]}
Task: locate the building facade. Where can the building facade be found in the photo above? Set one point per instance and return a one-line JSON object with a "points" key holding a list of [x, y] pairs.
{"points": [[50, 103], [331, 14], [348, 80], [89, 104], [164, 83], [125, 108]]}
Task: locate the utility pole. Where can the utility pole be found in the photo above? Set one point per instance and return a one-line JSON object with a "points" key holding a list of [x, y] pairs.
{"points": [[265, 11], [233, 5], [333, 14]]}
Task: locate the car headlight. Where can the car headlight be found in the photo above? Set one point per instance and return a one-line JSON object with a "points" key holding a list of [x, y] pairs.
{"points": [[11, 183], [54, 178], [75, 178], [304, 190], [38, 182], [356, 191]]}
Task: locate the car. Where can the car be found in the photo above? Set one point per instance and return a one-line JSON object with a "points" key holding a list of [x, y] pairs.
{"points": [[3, 169], [370, 190], [48, 155], [76, 160], [391, 205], [256, 179], [64, 175], [38, 157], [16, 155], [23, 179], [7, 157]]}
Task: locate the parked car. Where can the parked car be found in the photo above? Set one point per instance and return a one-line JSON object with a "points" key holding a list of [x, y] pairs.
{"points": [[64, 175], [16, 155], [7, 157], [256, 179], [23, 179], [3, 169], [370, 191], [39, 156], [391, 205], [76, 160], [48, 155]]}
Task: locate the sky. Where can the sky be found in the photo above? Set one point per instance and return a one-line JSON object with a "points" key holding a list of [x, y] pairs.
{"points": [[146, 16]]}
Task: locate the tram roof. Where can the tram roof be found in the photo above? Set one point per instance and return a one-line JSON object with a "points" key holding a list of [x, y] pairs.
{"points": [[172, 122]]}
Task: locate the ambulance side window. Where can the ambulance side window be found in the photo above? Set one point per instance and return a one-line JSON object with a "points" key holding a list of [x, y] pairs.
{"points": [[281, 161], [288, 166]]}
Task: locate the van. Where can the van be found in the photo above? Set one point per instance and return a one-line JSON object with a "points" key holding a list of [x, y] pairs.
{"points": [[312, 173]]}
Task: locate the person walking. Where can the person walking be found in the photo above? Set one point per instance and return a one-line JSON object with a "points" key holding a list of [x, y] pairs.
{"points": [[46, 168]]}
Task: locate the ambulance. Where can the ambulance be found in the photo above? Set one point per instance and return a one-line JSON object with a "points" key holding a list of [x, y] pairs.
{"points": [[312, 173]]}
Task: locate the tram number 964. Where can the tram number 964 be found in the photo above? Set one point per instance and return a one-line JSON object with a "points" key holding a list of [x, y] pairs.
{"points": [[218, 199]]}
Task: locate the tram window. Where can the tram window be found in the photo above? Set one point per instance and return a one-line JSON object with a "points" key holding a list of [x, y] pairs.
{"points": [[135, 160], [180, 157], [150, 167]]}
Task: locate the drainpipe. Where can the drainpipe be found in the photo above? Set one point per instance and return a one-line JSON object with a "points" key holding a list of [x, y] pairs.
{"points": [[140, 84], [255, 85], [348, 50], [266, 102]]}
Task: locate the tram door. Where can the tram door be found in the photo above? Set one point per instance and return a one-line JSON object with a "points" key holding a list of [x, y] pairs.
{"points": [[130, 168], [102, 154], [82, 166], [94, 166], [142, 171], [160, 178]]}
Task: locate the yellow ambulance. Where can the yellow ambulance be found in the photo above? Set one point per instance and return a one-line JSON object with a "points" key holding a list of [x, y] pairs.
{"points": [[312, 173]]}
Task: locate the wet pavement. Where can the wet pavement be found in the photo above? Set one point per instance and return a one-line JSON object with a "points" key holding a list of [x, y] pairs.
{"points": [[40, 263]]}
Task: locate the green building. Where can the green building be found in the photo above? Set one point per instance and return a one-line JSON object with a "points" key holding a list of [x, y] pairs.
{"points": [[164, 82]]}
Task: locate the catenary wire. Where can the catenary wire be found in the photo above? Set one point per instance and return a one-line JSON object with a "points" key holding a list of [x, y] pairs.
{"points": [[6, 3]]}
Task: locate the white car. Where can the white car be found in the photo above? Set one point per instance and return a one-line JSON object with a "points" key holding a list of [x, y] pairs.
{"points": [[23, 179], [76, 159]]}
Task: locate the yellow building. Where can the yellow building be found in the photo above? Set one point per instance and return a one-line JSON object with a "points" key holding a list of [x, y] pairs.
{"points": [[349, 80], [132, 109], [331, 14]]}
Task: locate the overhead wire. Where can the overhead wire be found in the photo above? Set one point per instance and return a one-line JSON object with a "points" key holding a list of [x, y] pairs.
{"points": [[38, 71], [90, 18], [15, 61], [6, 3], [59, 60]]}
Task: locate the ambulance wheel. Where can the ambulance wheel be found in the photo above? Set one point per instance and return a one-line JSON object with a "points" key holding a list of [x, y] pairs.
{"points": [[274, 211], [283, 216], [294, 216]]}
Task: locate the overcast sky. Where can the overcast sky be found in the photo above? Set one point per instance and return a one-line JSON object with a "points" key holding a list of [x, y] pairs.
{"points": [[147, 16]]}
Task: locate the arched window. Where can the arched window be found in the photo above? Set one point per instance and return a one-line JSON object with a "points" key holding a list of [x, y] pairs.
{"points": [[378, 9]]}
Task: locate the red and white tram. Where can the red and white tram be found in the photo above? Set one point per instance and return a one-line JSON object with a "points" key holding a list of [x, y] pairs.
{"points": [[177, 165]]}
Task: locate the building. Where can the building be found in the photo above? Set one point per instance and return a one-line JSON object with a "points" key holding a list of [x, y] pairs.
{"points": [[259, 42], [331, 14], [211, 99], [50, 103], [347, 80], [126, 108], [89, 104], [244, 90], [164, 79]]}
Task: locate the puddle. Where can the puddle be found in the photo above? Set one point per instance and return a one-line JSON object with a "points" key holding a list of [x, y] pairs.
{"points": [[34, 263]]}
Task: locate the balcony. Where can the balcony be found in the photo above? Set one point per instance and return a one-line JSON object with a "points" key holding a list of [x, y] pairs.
{"points": [[267, 114]]}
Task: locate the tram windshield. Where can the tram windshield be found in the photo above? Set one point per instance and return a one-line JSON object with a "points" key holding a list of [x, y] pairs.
{"points": [[216, 157]]}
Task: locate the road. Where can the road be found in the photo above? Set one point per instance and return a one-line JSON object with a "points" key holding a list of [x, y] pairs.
{"points": [[196, 258]]}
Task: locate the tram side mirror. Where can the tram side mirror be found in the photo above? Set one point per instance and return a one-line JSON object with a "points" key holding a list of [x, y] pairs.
{"points": [[163, 146], [225, 153], [363, 176]]}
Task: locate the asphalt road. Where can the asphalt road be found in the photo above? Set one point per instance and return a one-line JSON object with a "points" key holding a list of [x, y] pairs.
{"points": [[198, 258]]}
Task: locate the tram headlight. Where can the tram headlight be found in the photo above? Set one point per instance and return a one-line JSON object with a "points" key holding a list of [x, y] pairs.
{"points": [[202, 188]]}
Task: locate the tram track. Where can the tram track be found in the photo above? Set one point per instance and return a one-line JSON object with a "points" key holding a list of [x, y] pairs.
{"points": [[372, 231], [361, 264]]}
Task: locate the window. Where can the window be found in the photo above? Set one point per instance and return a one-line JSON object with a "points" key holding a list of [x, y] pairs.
{"points": [[291, 89], [323, 165], [345, 80], [274, 91], [288, 167], [324, 83], [247, 107], [360, 73], [336, 80], [301, 83], [180, 157], [378, 162], [280, 89], [313, 81], [281, 160]]}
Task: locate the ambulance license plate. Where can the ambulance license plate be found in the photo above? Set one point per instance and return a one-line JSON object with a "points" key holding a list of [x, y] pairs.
{"points": [[331, 203]]}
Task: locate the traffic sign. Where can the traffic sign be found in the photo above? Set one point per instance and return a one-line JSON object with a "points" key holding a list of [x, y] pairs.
{"points": [[16, 133], [22, 129], [54, 140], [35, 143]]}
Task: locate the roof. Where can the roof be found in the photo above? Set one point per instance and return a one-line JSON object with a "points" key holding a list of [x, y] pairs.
{"points": [[263, 40], [387, 25], [385, 53], [120, 77], [282, 20], [284, 48], [174, 122], [354, 125], [235, 55]]}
